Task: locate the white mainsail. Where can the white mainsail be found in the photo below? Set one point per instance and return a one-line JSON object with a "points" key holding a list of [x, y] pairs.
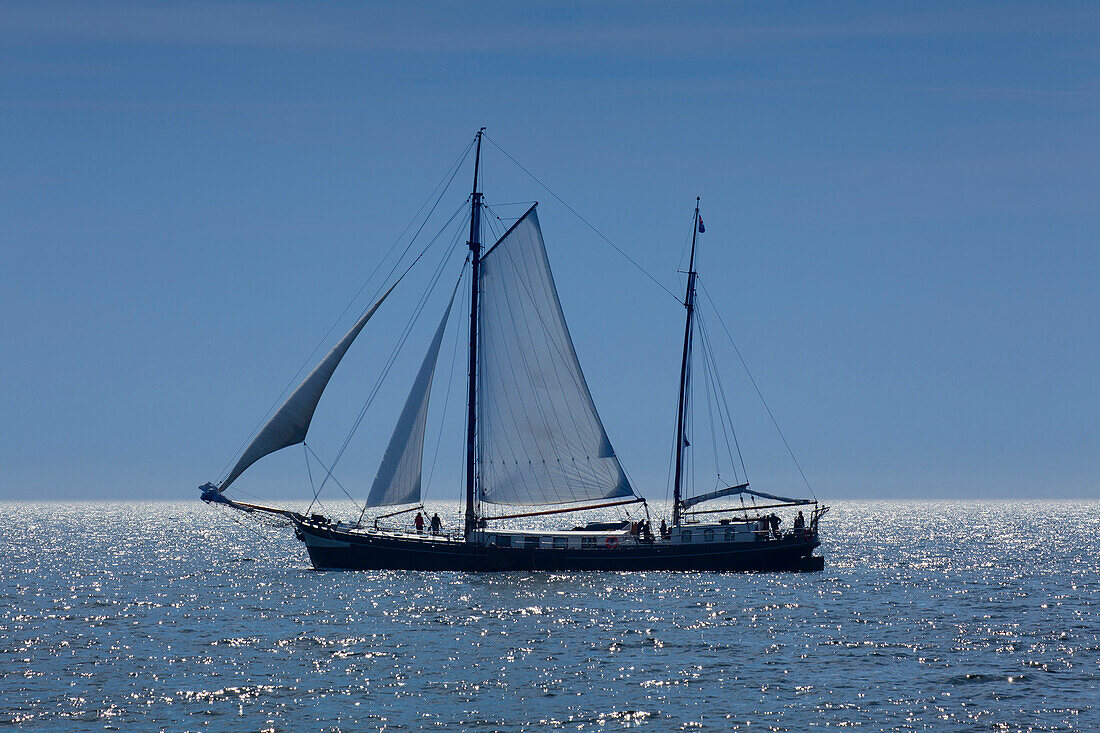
{"points": [[290, 423], [540, 438], [399, 477]]}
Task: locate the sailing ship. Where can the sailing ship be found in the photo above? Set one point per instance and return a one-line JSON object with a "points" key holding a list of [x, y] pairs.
{"points": [[533, 439]]}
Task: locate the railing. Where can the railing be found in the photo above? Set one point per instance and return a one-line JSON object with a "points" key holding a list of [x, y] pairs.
{"points": [[390, 530], [410, 533]]}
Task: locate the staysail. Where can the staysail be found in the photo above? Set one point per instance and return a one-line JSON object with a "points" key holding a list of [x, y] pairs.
{"points": [[290, 423], [540, 439], [399, 476]]}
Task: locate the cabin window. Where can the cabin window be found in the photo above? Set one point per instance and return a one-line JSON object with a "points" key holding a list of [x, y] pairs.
{"points": [[685, 536], [503, 541], [531, 543], [708, 535], [588, 543], [560, 543]]}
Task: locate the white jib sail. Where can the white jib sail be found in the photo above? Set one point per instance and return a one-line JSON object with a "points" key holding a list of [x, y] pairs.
{"points": [[540, 438], [290, 423], [399, 477]]}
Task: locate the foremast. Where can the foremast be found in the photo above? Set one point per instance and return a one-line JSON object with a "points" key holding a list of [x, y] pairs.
{"points": [[685, 374], [471, 407]]}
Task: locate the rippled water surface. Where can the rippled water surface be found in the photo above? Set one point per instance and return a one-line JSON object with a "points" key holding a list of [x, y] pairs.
{"points": [[957, 616]]}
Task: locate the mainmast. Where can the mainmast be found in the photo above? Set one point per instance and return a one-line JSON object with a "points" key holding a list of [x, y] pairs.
{"points": [[471, 408], [685, 374]]}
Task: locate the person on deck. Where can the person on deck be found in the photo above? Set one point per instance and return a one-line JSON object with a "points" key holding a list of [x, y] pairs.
{"points": [[775, 520], [800, 521], [664, 529], [418, 522], [437, 523]]}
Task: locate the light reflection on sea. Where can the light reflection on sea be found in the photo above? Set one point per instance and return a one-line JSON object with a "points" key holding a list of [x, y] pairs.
{"points": [[929, 616]]}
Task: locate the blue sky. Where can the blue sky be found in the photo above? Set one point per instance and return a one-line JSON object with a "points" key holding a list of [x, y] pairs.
{"points": [[901, 208]]}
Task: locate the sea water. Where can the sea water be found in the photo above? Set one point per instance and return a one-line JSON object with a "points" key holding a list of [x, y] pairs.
{"points": [[929, 616]]}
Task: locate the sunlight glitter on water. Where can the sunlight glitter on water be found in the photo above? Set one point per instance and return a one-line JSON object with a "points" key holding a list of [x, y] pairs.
{"points": [[928, 616]]}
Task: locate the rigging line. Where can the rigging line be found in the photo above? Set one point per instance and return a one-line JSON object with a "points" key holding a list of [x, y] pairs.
{"points": [[447, 394], [758, 392], [461, 207], [377, 385], [316, 491], [393, 354], [713, 384], [494, 311], [309, 473], [580, 383], [389, 364], [527, 328], [725, 400], [505, 314], [668, 477], [671, 458], [689, 429], [711, 378], [710, 415], [316, 494], [446, 322], [497, 230], [495, 214], [418, 310], [600, 234], [256, 497], [672, 454], [453, 171], [477, 440], [684, 248], [709, 348], [449, 178], [490, 226], [454, 293], [557, 369], [241, 524], [503, 220]]}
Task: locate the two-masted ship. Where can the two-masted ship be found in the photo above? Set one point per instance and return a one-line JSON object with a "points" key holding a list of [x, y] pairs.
{"points": [[534, 441]]}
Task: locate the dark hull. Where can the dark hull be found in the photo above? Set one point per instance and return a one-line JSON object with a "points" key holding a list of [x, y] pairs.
{"points": [[330, 549]]}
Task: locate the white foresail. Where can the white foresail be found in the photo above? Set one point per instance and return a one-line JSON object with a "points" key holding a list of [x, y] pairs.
{"points": [[540, 438], [399, 476], [289, 424]]}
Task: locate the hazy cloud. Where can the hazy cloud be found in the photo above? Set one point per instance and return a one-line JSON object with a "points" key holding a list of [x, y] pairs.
{"points": [[634, 30]]}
